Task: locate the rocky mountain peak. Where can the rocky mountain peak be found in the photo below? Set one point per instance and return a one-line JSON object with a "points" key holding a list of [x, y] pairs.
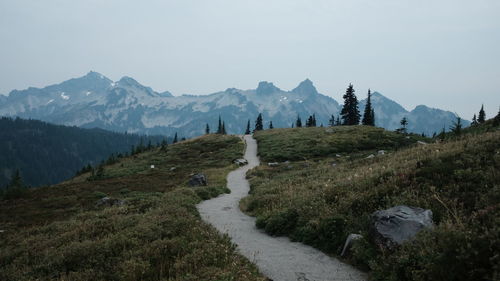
{"points": [[266, 88], [306, 87]]}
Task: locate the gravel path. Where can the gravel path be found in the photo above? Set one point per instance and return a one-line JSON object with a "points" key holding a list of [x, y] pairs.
{"points": [[277, 257]]}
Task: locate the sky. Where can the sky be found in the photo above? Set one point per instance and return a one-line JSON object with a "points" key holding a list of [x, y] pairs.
{"points": [[441, 53]]}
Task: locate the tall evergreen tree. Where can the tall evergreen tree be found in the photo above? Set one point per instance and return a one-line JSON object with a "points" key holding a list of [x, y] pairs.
{"points": [[247, 131], [337, 122], [368, 114], [482, 115], [271, 125], [298, 123], [219, 126], [331, 122], [309, 121], [350, 112], [207, 129], [259, 126], [313, 123], [175, 138]]}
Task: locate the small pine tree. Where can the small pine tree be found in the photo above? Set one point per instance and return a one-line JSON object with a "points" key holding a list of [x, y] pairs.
{"points": [[223, 128], [474, 120], [350, 112], [337, 122], [331, 122], [368, 114], [456, 128], [259, 126], [175, 138], [313, 123], [404, 123], [298, 123], [271, 125], [482, 115], [16, 180], [219, 127], [247, 131], [309, 121], [207, 129]]}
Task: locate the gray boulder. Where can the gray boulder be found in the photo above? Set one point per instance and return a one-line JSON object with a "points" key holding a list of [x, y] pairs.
{"points": [[198, 180], [398, 224], [109, 202], [241, 162], [273, 164]]}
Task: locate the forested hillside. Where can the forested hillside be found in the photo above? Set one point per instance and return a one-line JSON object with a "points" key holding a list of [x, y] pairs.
{"points": [[46, 154]]}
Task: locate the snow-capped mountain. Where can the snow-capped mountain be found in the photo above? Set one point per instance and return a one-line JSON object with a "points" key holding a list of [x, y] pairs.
{"points": [[95, 101]]}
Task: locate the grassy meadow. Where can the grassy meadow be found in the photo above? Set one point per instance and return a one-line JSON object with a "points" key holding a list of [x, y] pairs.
{"points": [[58, 232], [319, 198]]}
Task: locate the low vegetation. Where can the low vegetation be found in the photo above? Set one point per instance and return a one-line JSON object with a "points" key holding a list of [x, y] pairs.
{"points": [[317, 142], [320, 202], [59, 233]]}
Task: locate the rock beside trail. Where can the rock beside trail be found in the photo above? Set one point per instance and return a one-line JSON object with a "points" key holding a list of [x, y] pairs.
{"points": [[398, 224], [109, 202], [273, 164], [240, 162], [198, 180]]}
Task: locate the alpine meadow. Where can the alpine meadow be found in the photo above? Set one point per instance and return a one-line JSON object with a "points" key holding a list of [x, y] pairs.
{"points": [[226, 162]]}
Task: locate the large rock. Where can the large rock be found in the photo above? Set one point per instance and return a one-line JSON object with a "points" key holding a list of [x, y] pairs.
{"points": [[108, 202], [241, 162], [348, 243], [198, 180], [398, 224]]}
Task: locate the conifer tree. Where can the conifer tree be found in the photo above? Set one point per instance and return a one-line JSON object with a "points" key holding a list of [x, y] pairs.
{"points": [[207, 129], [16, 180], [482, 115], [337, 122], [474, 120], [271, 125], [298, 123], [368, 114], [258, 123], [456, 128], [223, 131], [219, 126], [309, 121], [247, 131], [350, 112], [331, 122], [175, 138], [313, 123], [404, 123]]}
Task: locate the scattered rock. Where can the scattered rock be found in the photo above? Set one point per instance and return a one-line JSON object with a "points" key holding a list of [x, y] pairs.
{"points": [[152, 166], [398, 224], [329, 130], [407, 137], [289, 167], [272, 164], [109, 202], [241, 162], [334, 164], [370, 156], [348, 243], [381, 152], [198, 180], [422, 142], [286, 162], [173, 169], [338, 155], [2, 231]]}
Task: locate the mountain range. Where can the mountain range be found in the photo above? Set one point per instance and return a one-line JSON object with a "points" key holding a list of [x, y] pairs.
{"points": [[127, 106]]}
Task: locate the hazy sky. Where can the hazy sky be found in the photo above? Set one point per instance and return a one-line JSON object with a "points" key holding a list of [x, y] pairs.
{"points": [[442, 53]]}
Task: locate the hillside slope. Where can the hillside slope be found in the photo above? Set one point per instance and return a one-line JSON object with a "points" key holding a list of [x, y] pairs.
{"points": [[47, 154], [60, 233], [320, 202]]}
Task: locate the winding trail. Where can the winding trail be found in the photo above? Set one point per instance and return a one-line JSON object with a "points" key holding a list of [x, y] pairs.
{"points": [[276, 257]]}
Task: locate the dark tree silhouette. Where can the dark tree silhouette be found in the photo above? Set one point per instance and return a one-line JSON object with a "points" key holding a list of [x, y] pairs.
{"points": [[259, 123], [482, 115], [247, 131], [175, 138], [368, 116], [219, 126], [207, 129], [350, 112], [331, 122], [271, 125], [298, 123]]}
